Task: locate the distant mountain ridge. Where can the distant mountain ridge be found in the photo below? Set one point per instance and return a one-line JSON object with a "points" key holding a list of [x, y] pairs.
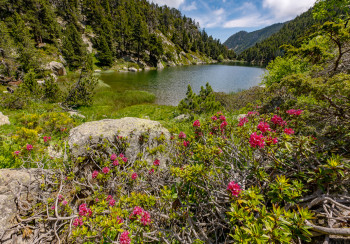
{"points": [[243, 40]]}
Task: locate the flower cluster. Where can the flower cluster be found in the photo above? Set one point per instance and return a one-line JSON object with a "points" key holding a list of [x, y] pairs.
{"points": [[47, 138], [243, 121], [234, 188], [295, 112], [277, 120], [78, 222], [182, 135], [252, 113], [196, 123], [134, 176], [142, 215], [95, 174], [29, 147], [124, 238], [264, 127], [156, 162], [84, 211], [105, 170], [256, 140], [289, 131]]}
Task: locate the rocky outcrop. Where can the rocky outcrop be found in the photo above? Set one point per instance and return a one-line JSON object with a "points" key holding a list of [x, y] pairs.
{"points": [[93, 133], [12, 183], [160, 65], [132, 69], [4, 120], [56, 67]]}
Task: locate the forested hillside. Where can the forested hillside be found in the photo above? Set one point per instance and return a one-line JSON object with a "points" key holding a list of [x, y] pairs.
{"points": [[34, 32], [290, 33], [243, 40]]}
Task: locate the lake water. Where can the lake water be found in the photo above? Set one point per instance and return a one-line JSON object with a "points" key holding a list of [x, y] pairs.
{"points": [[170, 84]]}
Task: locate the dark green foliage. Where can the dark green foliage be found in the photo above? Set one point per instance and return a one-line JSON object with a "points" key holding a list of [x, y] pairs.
{"points": [[243, 40], [204, 102], [51, 91], [31, 85], [74, 49], [105, 55], [81, 93], [290, 33]]}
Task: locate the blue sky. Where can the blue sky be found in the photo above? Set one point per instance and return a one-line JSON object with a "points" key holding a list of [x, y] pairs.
{"points": [[222, 18]]}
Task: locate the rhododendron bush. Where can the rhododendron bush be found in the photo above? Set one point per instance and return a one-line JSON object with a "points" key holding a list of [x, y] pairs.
{"points": [[255, 179]]}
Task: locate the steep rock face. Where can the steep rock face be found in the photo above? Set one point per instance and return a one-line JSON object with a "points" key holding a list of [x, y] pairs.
{"points": [[13, 182], [93, 133], [4, 120]]}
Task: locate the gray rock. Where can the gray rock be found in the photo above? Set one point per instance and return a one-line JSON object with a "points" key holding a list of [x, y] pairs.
{"points": [[63, 61], [171, 64], [93, 133], [97, 71], [4, 120], [160, 65], [182, 117], [88, 43], [11, 183], [41, 82], [56, 67], [76, 114], [132, 69]]}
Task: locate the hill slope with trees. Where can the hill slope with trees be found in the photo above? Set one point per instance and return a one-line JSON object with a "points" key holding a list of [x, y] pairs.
{"points": [[243, 40], [290, 33], [36, 31]]}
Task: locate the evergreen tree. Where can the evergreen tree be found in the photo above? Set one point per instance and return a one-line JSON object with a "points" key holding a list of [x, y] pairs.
{"points": [[74, 48]]}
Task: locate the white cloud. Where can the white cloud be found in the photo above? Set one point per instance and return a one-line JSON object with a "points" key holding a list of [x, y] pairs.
{"points": [[190, 7], [248, 21], [286, 9], [169, 3]]}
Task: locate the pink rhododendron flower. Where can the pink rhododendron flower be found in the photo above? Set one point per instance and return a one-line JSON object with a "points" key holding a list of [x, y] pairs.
{"points": [[145, 217], [124, 238], [121, 155], [223, 125], [277, 120], [113, 157], [116, 163], [269, 140], [295, 112], [109, 197], [47, 138], [95, 174], [243, 121], [289, 131], [253, 113], [134, 176], [53, 207], [125, 159], [78, 222], [29, 147], [196, 123], [156, 162], [222, 118], [64, 203], [256, 140], [16, 153], [263, 127], [234, 188], [111, 202], [97, 200], [182, 135], [105, 170], [60, 198], [214, 118], [186, 143], [151, 171]]}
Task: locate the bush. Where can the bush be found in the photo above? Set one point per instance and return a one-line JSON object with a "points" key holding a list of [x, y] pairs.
{"points": [[198, 104], [228, 181]]}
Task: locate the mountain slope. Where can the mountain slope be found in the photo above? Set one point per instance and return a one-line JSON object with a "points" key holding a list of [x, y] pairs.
{"points": [[243, 40], [290, 33], [35, 32]]}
